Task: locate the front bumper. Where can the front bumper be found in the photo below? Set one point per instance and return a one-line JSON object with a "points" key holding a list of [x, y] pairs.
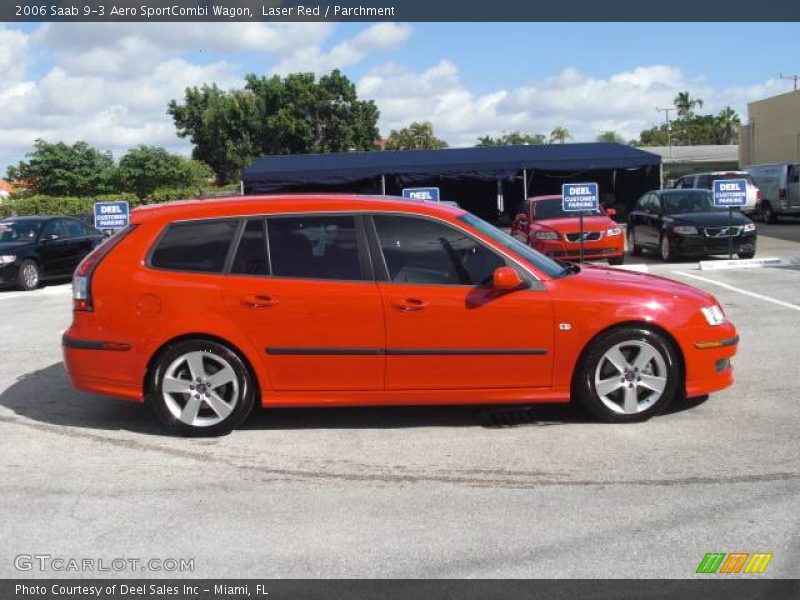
{"points": [[700, 245], [707, 354], [606, 247], [9, 274]]}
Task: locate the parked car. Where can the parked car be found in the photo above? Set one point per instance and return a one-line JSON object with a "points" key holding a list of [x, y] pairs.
{"points": [[207, 308], [685, 222], [780, 189], [36, 248], [705, 181], [545, 226]]}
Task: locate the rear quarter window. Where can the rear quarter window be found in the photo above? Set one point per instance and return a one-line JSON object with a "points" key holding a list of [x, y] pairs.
{"points": [[199, 246]]}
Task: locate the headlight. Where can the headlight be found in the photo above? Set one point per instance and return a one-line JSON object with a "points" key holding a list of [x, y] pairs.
{"points": [[614, 231], [685, 229], [714, 315], [546, 235], [749, 227], [7, 258]]}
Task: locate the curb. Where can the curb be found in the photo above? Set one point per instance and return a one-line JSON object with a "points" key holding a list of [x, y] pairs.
{"points": [[750, 263]]}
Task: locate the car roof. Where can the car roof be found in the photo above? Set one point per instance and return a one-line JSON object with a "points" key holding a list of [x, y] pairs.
{"points": [[682, 191], [32, 218], [550, 197], [233, 206]]}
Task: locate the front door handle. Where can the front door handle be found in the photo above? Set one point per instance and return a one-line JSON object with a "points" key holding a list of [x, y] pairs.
{"points": [[258, 301], [409, 304]]}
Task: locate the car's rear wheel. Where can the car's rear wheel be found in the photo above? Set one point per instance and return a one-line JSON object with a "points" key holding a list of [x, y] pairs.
{"points": [[201, 388], [633, 248], [749, 254], [29, 275], [629, 374], [768, 213]]}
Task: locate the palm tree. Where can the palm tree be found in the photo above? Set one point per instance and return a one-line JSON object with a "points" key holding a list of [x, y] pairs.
{"points": [[729, 122], [560, 135], [686, 104]]}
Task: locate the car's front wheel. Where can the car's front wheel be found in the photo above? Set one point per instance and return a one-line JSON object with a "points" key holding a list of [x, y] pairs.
{"points": [[667, 253], [628, 374], [29, 275], [633, 248], [201, 388]]}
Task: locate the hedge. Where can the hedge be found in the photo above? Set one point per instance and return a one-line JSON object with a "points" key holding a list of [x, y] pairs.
{"points": [[71, 205]]}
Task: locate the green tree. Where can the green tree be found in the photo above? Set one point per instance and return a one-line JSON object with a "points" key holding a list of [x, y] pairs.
{"points": [[273, 115], [610, 137], [513, 139], [63, 170], [729, 122], [417, 136], [144, 169], [685, 104], [560, 135]]}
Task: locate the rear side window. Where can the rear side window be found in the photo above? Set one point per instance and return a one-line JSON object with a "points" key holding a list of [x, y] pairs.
{"points": [[317, 247], [200, 246], [73, 229], [251, 255]]}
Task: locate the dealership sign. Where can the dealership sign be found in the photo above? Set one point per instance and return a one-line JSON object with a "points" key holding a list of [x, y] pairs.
{"points": [[111, 215], [426, 193], [730, 192], [579, 196]]}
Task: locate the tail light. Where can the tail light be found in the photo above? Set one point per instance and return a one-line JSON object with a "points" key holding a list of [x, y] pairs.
{"points": [[82, 278], [758, 194], [782, 194]]}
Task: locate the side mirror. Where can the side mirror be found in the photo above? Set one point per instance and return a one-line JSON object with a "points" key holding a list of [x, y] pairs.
{"points": [[611, 212], [506, 278]]}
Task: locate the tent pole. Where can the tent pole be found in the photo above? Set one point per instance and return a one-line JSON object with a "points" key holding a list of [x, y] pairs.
{"points": [[524, 184], [500, 200], [241, 187], [383, 185]]}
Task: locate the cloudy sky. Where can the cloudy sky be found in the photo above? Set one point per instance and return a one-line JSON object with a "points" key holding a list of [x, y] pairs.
{"points": [[109, 84]]}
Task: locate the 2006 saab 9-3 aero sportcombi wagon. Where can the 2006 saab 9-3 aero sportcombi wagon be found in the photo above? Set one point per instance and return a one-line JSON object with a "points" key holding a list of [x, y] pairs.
{"points": [[204, 308]]}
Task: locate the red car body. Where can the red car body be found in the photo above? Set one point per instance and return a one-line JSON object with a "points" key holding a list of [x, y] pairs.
{"points": [[557, 234], [326, 342]]}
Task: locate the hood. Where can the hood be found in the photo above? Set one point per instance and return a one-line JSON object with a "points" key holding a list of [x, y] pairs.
{"points": [[570, 224], [711, 218], [11, 247], [623, 281]]}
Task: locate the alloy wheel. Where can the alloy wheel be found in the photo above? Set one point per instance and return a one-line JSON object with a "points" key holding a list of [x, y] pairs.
{"points": [[630, 377], [30, 275], [200, 389]]}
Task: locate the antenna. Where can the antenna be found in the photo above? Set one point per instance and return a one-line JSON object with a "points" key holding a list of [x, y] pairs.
{"points": [[794, 78]]}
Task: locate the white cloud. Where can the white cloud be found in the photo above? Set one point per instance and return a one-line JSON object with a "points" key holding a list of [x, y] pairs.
{"points": [[624, 102], [13, 54], [380, 37]]}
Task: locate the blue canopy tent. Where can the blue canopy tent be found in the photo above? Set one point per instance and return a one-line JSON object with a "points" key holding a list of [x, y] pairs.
{"points": [[486, 180]]}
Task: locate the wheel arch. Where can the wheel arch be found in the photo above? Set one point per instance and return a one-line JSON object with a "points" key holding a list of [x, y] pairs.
{"points": [[647, 325], [151, 363]]}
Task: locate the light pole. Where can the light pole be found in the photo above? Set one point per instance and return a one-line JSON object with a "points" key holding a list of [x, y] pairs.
{"points": [[669, 135]]}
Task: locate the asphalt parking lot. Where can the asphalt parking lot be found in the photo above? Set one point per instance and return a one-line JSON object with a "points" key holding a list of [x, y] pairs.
{"points": [[413, 492]]}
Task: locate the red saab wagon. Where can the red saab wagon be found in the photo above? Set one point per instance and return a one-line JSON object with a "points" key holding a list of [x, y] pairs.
{"points": [[205, 308], [546, 227]]}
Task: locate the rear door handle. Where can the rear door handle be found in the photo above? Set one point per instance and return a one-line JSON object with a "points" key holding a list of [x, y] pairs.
{"points": [[409, 304], [258, 301]]}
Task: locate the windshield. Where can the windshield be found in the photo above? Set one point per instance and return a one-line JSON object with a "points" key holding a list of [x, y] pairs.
{"points": [[552, 209], [537, 259], [688, 202], [19, 231]]}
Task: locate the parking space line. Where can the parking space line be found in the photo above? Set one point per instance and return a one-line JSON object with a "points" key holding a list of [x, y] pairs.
{"points": [[739, 290]]}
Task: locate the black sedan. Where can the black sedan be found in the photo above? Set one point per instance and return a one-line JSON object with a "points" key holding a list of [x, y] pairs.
{"points": [[37, 248], [686, 223]]}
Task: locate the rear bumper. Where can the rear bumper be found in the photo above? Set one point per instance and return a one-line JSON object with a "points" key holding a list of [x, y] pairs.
{"points": [[83, 359]]}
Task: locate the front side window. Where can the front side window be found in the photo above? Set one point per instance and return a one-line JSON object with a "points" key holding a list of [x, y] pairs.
{"points": [[199, 246], [52, 230], [426, 252], [316, 247]]}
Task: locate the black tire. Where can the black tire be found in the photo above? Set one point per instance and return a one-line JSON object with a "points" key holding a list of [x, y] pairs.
{"points": [[594, 361], [213, 353], [633, 249], [768, 213], [746, 255], [666, 253], [616, 260], [29, 276]]}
